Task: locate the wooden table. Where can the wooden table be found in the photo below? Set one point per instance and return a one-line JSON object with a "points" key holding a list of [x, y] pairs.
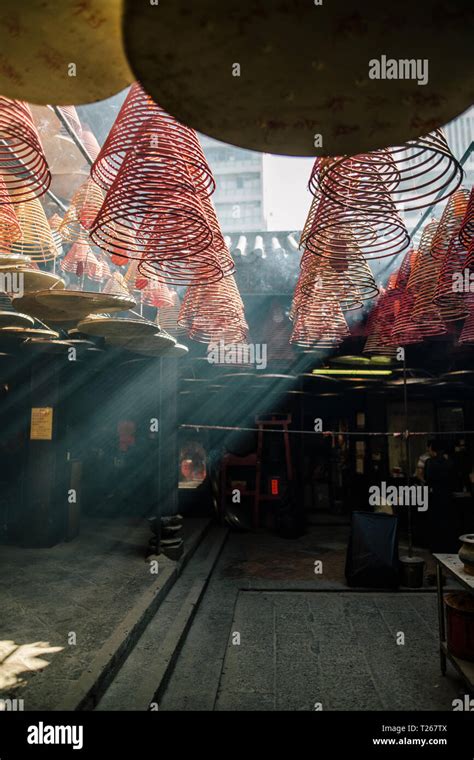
{"points": [[452, 565]]}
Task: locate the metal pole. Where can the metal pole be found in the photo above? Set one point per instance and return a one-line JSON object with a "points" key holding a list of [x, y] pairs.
{"points": [[407, 453], [77, 140]]}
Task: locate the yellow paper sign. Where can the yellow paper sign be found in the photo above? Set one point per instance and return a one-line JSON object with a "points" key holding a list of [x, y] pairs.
{"points": [[41, 423]]}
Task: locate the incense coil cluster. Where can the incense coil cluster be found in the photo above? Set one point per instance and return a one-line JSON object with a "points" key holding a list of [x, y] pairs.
{"points": [[9, 226], [214, 312], [168, 139], [83, 209], [23, 164], [157, 207], [36, 239], [416, 175]]}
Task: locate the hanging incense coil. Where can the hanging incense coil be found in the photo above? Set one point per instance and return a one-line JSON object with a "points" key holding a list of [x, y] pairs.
{"points": [[83, 209], [157, 294], [336, 232], [153, 210], [449, 294], [381, 339], [405, 331], [80, 260], [23, 164], [36, 240], [167, 317], [417, 174], [349, 281], [9, 226], [151, 292], [169, 140], [72, 117], [116, 285], [102, 271], [423, 281], [214, 312], [205, 268], [449, 225], [466, 233], [54, 222], [90, 143], [318, 323], [466, 336]]}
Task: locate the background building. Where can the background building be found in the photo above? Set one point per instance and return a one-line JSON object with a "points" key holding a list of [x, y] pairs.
{"points": [[239, 197]]}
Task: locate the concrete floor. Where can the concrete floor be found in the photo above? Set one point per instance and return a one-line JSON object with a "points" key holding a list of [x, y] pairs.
{"points": [[305, 639], [303, 642]]}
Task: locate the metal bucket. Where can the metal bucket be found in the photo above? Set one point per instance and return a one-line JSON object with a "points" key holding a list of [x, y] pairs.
{"points": [[411, 572]]}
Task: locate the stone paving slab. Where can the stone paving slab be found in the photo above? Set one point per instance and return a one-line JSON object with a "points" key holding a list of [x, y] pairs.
{"points": [[86, 587]]}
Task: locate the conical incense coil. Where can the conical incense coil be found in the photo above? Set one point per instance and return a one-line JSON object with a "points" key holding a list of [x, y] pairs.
{"points": [[90, 143], [169, 140], [116, 285], [405, 331], [152, 208], [36, 240], [375, 229], [449, 295], [349, 281], [83, 209], [415, 174], [450, 223], [380, 339], [466, 233], [423, 280], [80, 260], [467, 333], [167, 317], [319, 323], [9, 226], [318, 277], [157, 294], [23, 164], [214, 312], [103, 270], [72, 118], [204, 268], [55, 222]]}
